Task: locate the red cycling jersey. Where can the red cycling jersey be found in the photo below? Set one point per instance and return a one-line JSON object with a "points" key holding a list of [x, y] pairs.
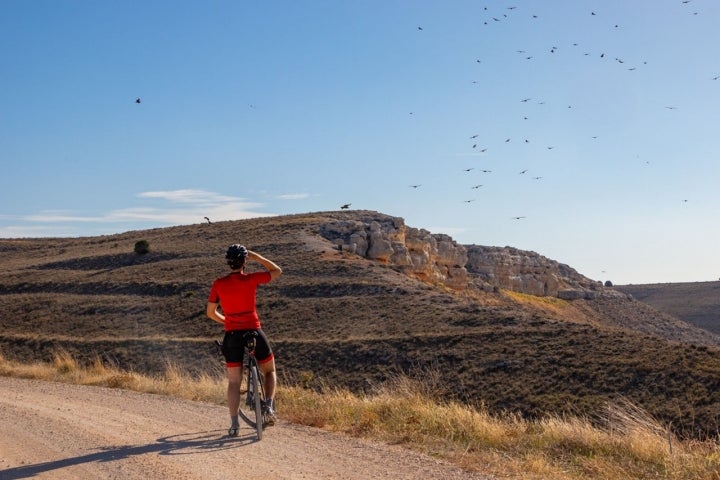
{"points": [[236, 295]]}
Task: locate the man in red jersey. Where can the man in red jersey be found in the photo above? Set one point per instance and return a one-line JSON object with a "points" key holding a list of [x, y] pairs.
{"points": [[235, 293]]}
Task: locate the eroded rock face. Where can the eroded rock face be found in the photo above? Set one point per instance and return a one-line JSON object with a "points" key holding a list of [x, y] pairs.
{"points": [[435, 258], [523, 271], [528, 272], [438, 259]]}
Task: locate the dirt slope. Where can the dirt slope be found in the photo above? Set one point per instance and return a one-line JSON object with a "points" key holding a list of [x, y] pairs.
{"points": [[59, 431], [697, 303]]}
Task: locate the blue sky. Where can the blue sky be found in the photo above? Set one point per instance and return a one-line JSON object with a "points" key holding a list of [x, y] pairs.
{"points": [[594, 121]]}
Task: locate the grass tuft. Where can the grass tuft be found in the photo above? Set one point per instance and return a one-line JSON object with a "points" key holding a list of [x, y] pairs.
{"points": [[64, 363]]}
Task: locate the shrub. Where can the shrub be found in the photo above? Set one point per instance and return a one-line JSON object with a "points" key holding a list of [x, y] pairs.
{"points": [[608, 283], [142, 247]]}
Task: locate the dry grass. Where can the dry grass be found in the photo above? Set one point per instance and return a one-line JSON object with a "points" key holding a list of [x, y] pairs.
{"points": [[625, 443], [65, 368]]}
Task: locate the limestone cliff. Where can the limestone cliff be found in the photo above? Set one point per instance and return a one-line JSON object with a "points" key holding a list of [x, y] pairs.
{"points": [[434, 258], [531, 273], [438, 259]]}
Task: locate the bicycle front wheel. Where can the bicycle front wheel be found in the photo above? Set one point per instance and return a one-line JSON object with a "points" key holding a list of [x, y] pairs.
{"points": [[251, 406]]}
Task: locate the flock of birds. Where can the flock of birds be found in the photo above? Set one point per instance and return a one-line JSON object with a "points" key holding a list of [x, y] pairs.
{"points": [[480, 149], [506, 15]]}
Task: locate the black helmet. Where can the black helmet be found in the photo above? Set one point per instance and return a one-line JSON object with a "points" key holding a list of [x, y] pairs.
{"points": [[236, 253]]}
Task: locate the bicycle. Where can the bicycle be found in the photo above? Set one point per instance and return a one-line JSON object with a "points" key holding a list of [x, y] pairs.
{"points": [[252, 406]]}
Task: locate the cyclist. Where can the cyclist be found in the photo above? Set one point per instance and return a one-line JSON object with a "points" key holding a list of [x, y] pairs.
{"points": [[235, 293]]}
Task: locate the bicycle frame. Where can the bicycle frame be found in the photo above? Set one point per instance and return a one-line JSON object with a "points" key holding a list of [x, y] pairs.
{"points": [[253, 403]]}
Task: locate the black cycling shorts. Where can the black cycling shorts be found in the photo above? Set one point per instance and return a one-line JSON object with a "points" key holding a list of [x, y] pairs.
{"points": [[233, 347]]}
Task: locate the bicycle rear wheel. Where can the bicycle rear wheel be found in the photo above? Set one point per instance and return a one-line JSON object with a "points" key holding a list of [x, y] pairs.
{"points": [[251, 406]]}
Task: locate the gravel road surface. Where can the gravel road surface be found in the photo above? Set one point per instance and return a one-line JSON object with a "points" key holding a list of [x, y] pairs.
{"points": [[59, 431]]}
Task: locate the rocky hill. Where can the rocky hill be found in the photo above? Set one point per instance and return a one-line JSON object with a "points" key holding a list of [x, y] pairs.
{"points": [[362, 297], [697, 303], [438, 259]]}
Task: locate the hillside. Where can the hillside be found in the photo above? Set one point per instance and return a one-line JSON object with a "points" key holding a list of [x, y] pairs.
{"points": [[697, 303], [353, 320]]}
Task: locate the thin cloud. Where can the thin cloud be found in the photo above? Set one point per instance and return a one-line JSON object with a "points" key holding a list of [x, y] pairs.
{"points": [[293, 196], [60, 216], [191, 196], [34, 231], [177, 207]]}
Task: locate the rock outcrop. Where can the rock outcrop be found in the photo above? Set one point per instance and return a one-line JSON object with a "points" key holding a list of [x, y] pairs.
{"points": [[434, 258], [438, 259], [528, 272]]}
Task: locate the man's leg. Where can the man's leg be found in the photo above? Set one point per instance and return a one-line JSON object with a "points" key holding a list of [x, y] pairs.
{"points": [[269, 378], [234, 375], [269, 381]]}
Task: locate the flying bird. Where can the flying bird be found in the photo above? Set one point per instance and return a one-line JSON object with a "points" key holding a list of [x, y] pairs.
{"points": [[517, 218], [524, 171], [137, 100], [208, 220], [476, 186], [346, 206], [415, 186]]}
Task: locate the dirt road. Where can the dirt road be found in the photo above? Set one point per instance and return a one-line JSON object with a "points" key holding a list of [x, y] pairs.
{"points": [[59, 431]]}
